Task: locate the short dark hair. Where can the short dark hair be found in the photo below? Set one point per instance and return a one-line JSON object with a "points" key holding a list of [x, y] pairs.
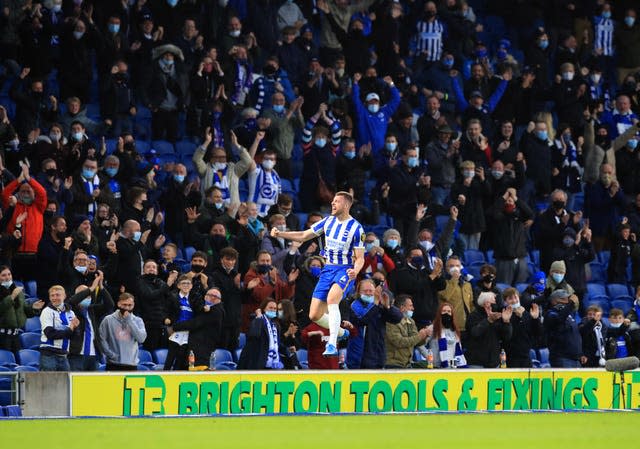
{"points": [[200, 254], [401, 300], [229, 253], [346, 195], [124, 296]]}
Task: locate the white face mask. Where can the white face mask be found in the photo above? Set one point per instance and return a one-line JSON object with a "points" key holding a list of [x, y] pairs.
{"points": [[234, 33], [427, 245], [268, 164], [568, 76], [219, 166]]}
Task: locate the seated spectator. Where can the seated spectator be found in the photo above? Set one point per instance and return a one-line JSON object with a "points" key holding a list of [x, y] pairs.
{"points": [[263, 347], [401, 339]]}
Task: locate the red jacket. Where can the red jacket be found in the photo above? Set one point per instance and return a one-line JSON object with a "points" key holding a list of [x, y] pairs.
{"points": [[315, 348], [371, 262], [33, 225]]}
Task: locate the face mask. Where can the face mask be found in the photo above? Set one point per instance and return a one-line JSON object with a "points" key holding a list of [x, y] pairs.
{"points": [[373, 108], [320, 143], [408, 314], [219, 205], [50, 172], [558, 205], [629, 21], [488, 278], [280, 314], [454, 270], [447, 320], [427, 245], [6, 284], [268, 164], [114, 28], [271, 314], [26, 200], [54, 137], [391, 146], [606, 14], [167, 62], [136, 236], [468, 174], [197, 268], [448, 63], [595, 78], [234, 33], [509, 208], [88, 174], [264, 268], [568, 241], [497, 174], [393, 243], [172, 3], [481, 53], [219, 166], [111, 172], [78, 136], [606, 179], [557, 277], [81, 270], [278, 108], [56, 8], [349, 154], [417, 261], [367, 299], [78, 35], [567, 76], [632, 143], [178, 178], [85, 303], [368, 247], [543, 44], [315, 271], [515, 306], [615, 325], [250, 123], [542, 135]]}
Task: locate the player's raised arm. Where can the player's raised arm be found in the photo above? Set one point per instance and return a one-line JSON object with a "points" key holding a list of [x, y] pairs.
{"points": [[296, 236]]}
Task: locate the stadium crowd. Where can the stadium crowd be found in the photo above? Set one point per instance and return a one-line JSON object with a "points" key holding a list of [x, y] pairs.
{"points": [[149, 147]]}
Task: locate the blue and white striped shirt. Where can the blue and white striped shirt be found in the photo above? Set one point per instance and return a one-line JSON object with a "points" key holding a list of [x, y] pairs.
{"points": [[57, 320], [603, 30], [341, 238], [429, 37], [264, 188]]}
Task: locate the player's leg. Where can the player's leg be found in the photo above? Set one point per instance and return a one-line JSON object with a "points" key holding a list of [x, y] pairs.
{"points": [[333, 306], [318, 314]]}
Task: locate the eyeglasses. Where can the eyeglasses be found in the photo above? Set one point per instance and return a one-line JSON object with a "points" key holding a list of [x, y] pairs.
{"points": [[211, 295]]}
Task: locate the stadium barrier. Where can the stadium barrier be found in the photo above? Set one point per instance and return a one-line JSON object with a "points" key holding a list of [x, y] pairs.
{"points": [[325, 392]]}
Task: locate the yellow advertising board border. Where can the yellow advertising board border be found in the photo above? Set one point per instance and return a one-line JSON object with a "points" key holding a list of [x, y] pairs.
{"points": [[335, 392]]}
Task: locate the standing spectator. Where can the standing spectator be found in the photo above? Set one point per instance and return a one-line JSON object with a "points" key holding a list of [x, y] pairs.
{"points": [[604, 203], [120, 335], [458, 292], [352, 167], [401, 339], [536, 148], [488, 331], [58, 324], [33, 109], [445, 343], [283, 126], [131, 250], [370, 312], [563, 336], [576, 251], [264, 182], [622, 117], [263, 347], [627, 39], [474, 145], [593, 332], [49, 249], [623, 245], [526, 326], [227, 278], [120, 103], [88, 191], [153, 304], [430, 35], [273, 79], [78, 38], [318, 86], [443, 156], [468, 195]]}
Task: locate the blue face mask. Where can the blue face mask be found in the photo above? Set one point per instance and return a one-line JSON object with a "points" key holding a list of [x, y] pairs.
{"points": [[178, 178], [219, 205], [368, 247], [606, 14], [85, 303], [393, 243], [320, 143], [373, 108], [629, 21], [543, 44], [502, 54], [88, 174], [542, 135], [615, 325], [114, 27], [315, 271], [367, 299], [412, 162], [78, 136], [111, 172], [349, 154], [137, 235], [481, 53], [408, 314], [271, 314], [632, 143], [448, 63], [172, 3], [81, 269], [391, 146], [557, 277], [6, 284], [278, 108]]}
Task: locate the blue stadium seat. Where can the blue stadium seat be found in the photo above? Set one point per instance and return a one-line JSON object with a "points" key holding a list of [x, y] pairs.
{"points": [[143, 367], [13, 411], [188, 252], [6, 385], [30, 340], [604, 257], [242, 340], [296, 184], [595, 289], [29, 357], [27, 368], [225, 366], [287, 186], [163, 147], [535, 257], [31, 289], [7, 359], [302, 217], [222, 355], [624, 304], [601, 301], [143, 112], [544, 357], [441, 222], [598, 272], [302, 355], [145, 358], [185, 147], [112, 145], [6, 369], [142, 147], [501, 286], [490, 258], [159, 356], [534, 358], [304, 365], [472, 256], [578, 201], [617, 290], [33, 325], [522, 286], [474, 270], [93, 111]]}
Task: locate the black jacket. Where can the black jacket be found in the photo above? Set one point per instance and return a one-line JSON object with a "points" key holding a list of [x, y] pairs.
{"points": [[254, 354], [485, 340], [525, 330], [204, 333], [590, 342], [564, 339], [537, 153], [422, 289], [575, 257], [510, 234], [231, 295], [152, 301], [101, 305]]}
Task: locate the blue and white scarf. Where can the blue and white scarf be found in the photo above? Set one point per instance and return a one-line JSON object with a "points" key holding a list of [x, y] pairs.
{"points": [[447, 340], [90, 187], [241, 84], [273, 357], [218, 135], [221, 181]]}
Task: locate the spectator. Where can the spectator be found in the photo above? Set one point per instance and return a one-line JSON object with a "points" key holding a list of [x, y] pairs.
{"points": [[468, 195], [576, 251], [603, 205], [401, 339], [120, 334], [445, 343], [565, 342], [443, 157], [623, 246], [263, 347], [488, 331], [33, 109], [536, 147], [153, 304], [227, 278], [627, 39], [458, 292], [264, 182], [527, 328], [283, 125], [593, 333]]}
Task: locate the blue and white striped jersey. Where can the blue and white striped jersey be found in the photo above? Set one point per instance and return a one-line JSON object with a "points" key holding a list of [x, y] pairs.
{"points": [[59, 321], [264, 188], [341, 238], [429, 37], [603, 30]]}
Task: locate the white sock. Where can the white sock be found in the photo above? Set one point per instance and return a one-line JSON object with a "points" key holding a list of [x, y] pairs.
{"points": [[324, 322], [334, 323]]}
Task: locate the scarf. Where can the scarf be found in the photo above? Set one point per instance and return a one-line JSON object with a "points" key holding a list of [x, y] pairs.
{"points": [[265, 190], [241, 84], [454, 354], [89, 187], [218, 135], [221, 181], [273, 358], [597, 330]]}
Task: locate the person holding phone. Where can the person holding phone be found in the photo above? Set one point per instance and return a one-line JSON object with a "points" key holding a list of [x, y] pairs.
{"points": [[488, 330]]}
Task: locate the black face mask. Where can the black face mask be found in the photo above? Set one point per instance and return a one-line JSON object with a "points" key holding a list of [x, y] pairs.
{"points": [[488, 278], [61, 235], [129, 146], [262, 269], [447, 320], [219, 240], [197, 268], [602, 141], [51, 171], [558, 205]]}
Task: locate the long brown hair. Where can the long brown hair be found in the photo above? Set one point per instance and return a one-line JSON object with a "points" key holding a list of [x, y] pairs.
{"points": [[437, 321]]}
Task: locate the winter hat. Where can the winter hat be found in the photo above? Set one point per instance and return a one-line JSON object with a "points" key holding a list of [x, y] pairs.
{"points": [[558, 266]]}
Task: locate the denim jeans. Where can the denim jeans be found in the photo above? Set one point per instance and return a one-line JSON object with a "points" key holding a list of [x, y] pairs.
{"points": [[561, 362], [54, 362], [83, 362]]}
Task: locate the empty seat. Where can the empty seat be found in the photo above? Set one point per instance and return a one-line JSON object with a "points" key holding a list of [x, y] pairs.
{"points": [[31, 289], [188, 253], [185, 147], [544, 357], [163, 147], [242, 340], [159, 356], [27, 368], [7, 359], [604, 257], [33, 325], [617, 290], [598, 272], [473, 256], [145, 358], [624, 304], [29, 357], [30, 340], [302, 355], [222, 355], [596, 289]]}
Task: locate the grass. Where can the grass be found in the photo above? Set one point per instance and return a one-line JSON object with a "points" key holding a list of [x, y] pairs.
{"points": [[471, 431]]}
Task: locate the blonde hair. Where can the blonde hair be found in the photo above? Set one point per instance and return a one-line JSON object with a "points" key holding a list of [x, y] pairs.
{"points": [[547, 118], [54, 288]]}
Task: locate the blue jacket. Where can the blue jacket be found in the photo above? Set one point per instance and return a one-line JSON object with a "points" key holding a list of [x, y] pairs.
{"points": [[602, 210], [373, 127], [564, 338], [367, 350]]}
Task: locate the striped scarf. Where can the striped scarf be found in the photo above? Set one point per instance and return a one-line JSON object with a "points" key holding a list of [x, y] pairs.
{"points": [[90, 186], [450, 351], [265, 190], [218, 135], [273, 356], [221, 181], [242, 84]]}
